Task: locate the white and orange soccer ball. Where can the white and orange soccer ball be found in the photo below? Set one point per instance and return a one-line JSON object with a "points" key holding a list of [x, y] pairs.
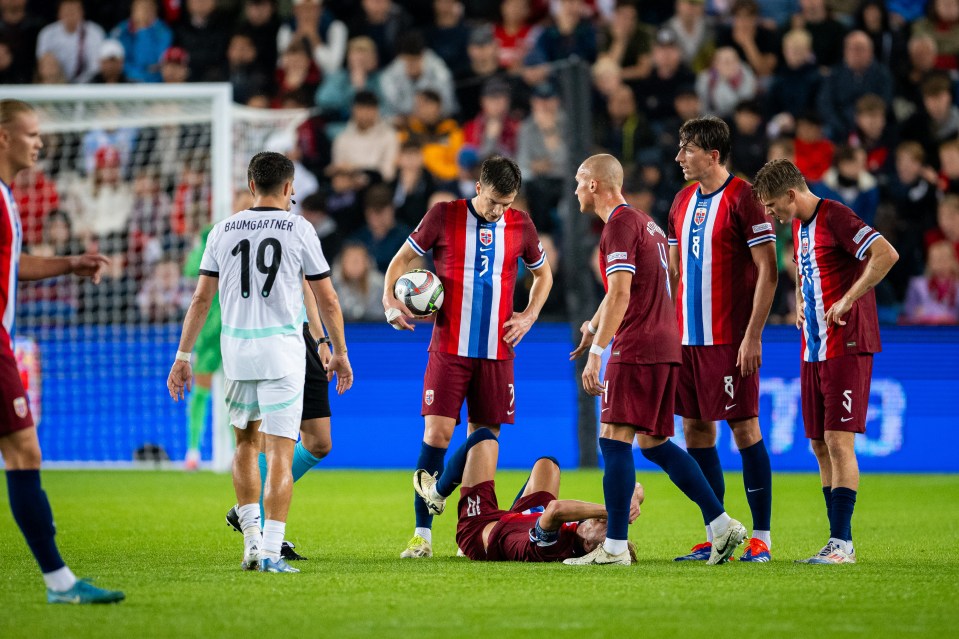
{"points": [[421, 291]]}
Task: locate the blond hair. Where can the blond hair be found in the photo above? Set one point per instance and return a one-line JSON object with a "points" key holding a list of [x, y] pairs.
{"points": [[776, 178], [9, 109]]}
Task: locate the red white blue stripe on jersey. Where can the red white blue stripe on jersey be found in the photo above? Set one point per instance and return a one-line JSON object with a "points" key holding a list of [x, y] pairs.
{"points": [[612, 261], [11, 239]]}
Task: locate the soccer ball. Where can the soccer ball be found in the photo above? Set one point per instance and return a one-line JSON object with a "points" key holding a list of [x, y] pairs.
{"points": [[421, 291]]}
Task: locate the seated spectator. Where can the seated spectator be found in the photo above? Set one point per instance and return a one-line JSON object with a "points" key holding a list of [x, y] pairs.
{"points": [[415, 69], [827, 32], [261, 22], [783, 149], [313, 147], [110, 64], [754, 43], [58, 238], [385, 22], [858, 75], [242, 71], [748, 150], [19, 29], [114, 299], [313, 210], [305, 181], [947, 223], [695, 33], [783, 310], [49, 70], [670, 74], [726, 83], [449, 34], [74, 41], [873, 135], [849, 183], [439, 138], [36, 196], [165, 294], [413, 187], [192, 200], [911, 191], [938, 119], [627, 42], [933, 298], [942, 23], [468, 165], [102, 203], [813, 151], [624, 131], [297, 72], [144, 38], [336, 93], [888, 42], [607, 77], [343, 201], [571, 33], [914, 69], [150, 217], [358, 284], [515, 34], [483, 66], [315, 26], [175, 65], [686, 106], [367, 143], [543, 156], [795, 83], [381, 235], [494, 130], [949, 167], [205, 33]]}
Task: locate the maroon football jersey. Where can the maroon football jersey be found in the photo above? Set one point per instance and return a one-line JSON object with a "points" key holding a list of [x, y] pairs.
{"points": [[509, 541], [632, 242]]}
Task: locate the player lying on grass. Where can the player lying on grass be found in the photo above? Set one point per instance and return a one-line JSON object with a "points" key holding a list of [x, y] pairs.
{"points": [[537, 527]]}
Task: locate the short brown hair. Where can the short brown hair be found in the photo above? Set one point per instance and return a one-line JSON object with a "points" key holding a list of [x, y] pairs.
{"points": [[9, 109], [936, 84], [913, 150], [776, 178], [709, 132], [870, 103]]}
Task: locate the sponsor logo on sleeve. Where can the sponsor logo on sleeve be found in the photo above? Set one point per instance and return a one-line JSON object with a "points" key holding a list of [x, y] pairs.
{"points": [[614, 257], [765, 226], [861, 234]]}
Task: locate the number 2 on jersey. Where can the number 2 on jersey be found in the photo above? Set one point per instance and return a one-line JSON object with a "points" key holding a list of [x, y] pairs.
{"points": [[270, 270]]}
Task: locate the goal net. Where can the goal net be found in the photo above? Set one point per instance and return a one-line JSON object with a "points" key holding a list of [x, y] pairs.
{"points": [[136, 173]]}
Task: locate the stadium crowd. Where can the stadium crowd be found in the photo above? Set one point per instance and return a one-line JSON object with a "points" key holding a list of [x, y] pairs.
{"points": [[408, 97]]}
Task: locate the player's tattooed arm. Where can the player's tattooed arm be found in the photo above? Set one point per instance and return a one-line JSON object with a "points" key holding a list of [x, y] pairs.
{"points": [[880, 258]]}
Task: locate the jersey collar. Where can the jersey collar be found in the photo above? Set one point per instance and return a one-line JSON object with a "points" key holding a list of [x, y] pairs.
{"points": [[706, 196], [615, 209], [480, 218], [264, 208], [815, 212]]}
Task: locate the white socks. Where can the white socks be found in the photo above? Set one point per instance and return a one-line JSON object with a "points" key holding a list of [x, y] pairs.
{"points": [[763, 536], [250, 525], [709, 534], [425, 533], [615, 546], [434, 494], [60, 580], [720, 524], [842, 543], [273, 532]]}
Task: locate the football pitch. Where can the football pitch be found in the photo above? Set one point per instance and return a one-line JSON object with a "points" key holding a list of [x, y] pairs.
{"points": [[161, 537]]}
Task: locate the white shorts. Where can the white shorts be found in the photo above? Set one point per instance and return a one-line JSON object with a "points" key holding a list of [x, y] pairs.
{"points": [[278, 402]]}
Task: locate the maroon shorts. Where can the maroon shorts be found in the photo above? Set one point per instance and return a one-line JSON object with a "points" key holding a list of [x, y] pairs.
{"points": [[14, 407], [485, 384], [835, 394], [478, 508], [640, 395], [711, 388]]}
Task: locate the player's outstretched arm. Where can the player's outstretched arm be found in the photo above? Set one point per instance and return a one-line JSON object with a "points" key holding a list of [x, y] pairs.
{"points": [[41, 268], [328, 304], [396, 312], [587, 330], [181, 373], [519, 324], [750, 355], [880, 258]]}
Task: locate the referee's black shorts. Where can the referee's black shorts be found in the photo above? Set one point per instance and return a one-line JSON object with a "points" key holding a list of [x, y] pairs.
{"points": [[316, 395]]}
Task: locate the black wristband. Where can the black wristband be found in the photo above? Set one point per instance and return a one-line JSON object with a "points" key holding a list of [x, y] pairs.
{"points": [[323, 340]]}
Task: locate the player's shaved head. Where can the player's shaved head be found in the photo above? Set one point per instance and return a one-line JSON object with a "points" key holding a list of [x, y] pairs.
{"points": [[605, 169], [10, 109]]}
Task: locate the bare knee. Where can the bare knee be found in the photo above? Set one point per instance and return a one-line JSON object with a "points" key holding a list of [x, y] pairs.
{"points": [[746, 433], [438, 431], [699, 433], [316, 440]]}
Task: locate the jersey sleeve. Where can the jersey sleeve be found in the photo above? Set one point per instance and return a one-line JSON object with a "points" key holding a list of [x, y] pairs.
{"points": [[620, 246], [426, 233], [756, 227], [315, 266], [533, 254], [672, 237], [208, 263], [851, 233]]}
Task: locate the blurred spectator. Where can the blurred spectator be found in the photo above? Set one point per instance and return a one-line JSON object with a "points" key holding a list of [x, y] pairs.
{"points": [[343, 201], [175, 65], [657, 92], [749, 142], [439, 138], [381, 235], [468, 165], [555, 306], [36, 197], [569, 34], [628, 42], [795, 83], [101, 203], [913, 197], [413, 186], [858, 75], [624, 131], [827, 32], [74, 41], [309, 142], [144, 38], [150, 217], [243, 73], [813, 151], [121, 140], [166, 294], [918, 65], [483, 66], [58, 238], [297, 72], [756, 44], [726, 83], [694, 31], [514, 33], [686, 106], [949, 167], [316, 27], [113, 300], [888, 42], [385, 22], [111, 64], [848, 182], [358, 284], [938, 119], [367, 143], [783, 149], [18, 33], [205, 33], [933, 298], [49, 70], [947, 223], [336, 93], [607, 77], [494, 130], [261, 22], [313, 210], [873, 135], [942, 23], [305, 181], [543, 156], [192, 200], [783, 310], [449, 34], [415, 69]]}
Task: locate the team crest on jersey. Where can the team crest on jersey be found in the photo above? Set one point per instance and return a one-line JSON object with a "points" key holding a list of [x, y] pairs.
{"points": [[805, 246], [701, 210], [486, 236], [20, 407], [429, 397]]}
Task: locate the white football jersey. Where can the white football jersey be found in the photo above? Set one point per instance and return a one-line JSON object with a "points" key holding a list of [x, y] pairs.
{"points": [[261, 256]]}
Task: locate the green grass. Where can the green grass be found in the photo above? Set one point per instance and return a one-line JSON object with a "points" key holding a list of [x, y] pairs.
{"points": [[161, 538]]}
